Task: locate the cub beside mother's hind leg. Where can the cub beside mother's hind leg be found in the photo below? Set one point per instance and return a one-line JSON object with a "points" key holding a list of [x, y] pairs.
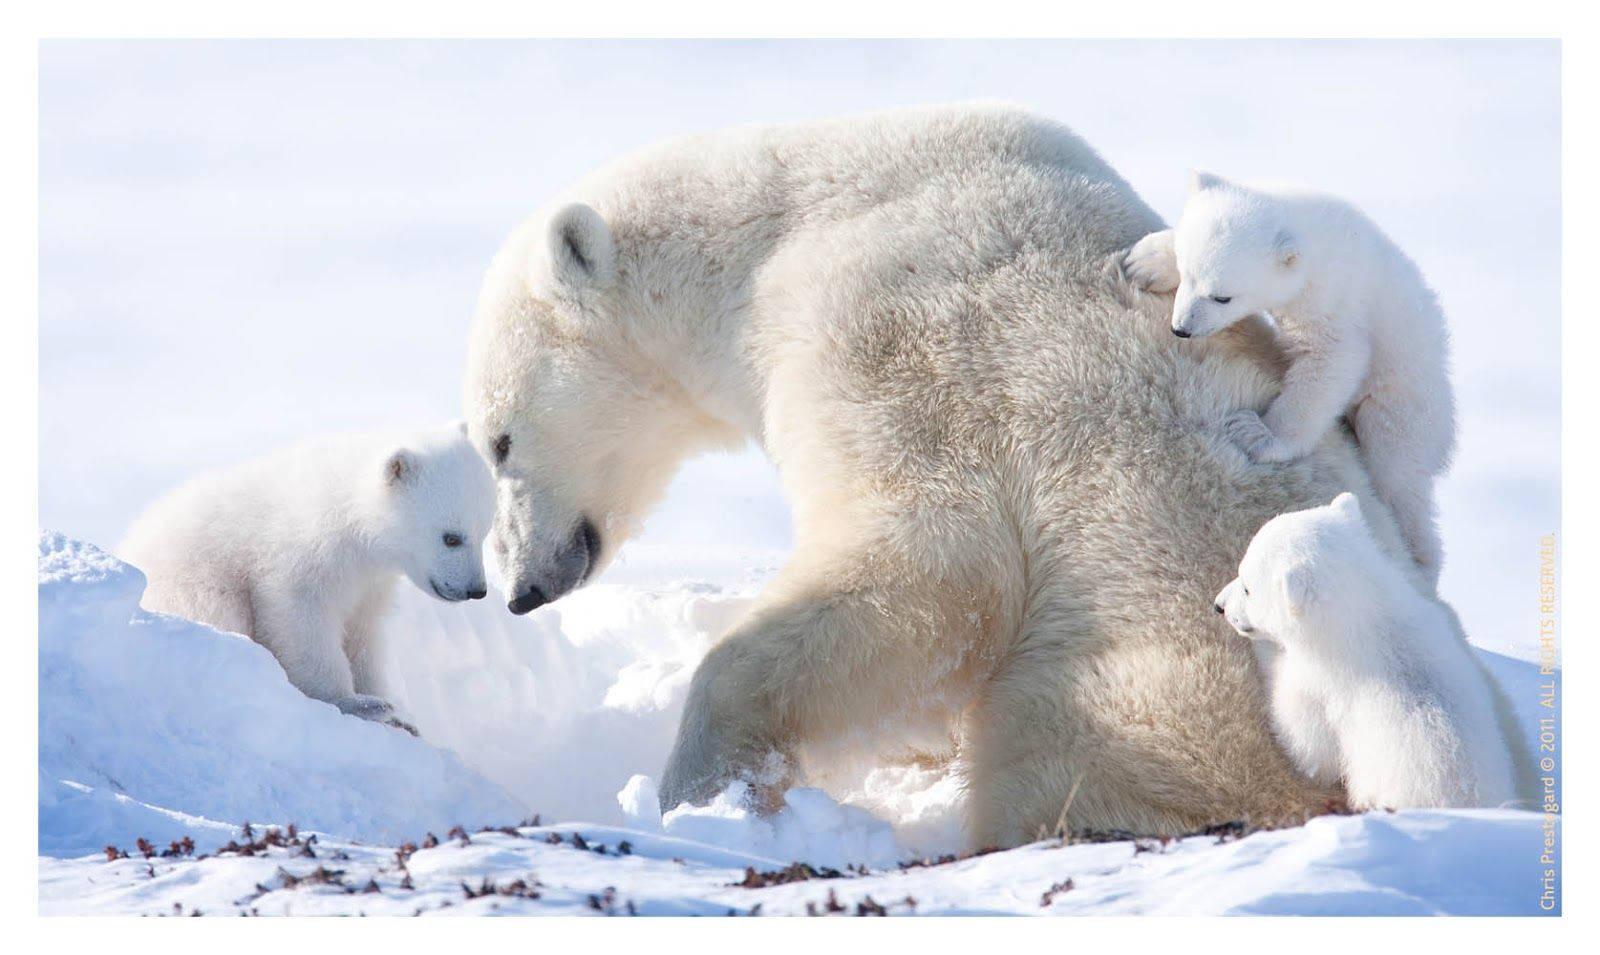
{"points": [[1082, 736]]}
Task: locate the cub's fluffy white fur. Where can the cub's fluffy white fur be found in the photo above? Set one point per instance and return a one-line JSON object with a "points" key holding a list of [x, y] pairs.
{"points": [[299, 550], [1364, 333], [1370, 685]]}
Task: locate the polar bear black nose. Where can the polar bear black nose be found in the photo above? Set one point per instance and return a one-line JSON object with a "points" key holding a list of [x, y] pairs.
{"points": [[529, 599], [1218, 608], [1180, 333], [477, 594]]}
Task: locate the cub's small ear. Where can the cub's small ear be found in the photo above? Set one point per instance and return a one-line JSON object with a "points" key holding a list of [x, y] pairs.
{"points": [[1299, 587], [399, 468], [1347, 504], [1287, 248], [1200, 180], [581, 248]]}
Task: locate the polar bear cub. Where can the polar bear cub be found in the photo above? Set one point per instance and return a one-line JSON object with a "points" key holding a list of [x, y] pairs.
{"points": [[1366, 336], [300, 550], [1369, 682]]}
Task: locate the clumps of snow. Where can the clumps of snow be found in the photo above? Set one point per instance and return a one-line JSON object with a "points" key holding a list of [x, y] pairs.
{"points": [[925, 805], [810, 826], [641, 803], [157, 727]]}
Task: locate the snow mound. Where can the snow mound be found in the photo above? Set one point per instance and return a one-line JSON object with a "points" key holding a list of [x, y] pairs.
{"points": [[141, 714], [810, 826], [562, 706]]}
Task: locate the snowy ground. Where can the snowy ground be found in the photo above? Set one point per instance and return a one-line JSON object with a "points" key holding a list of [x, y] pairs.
{"points": [[1414, 863], [160, 739], [208, 210]]}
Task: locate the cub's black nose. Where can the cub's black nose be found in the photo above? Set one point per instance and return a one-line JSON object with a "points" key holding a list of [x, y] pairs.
{"points": [[1217, 608], [478, 594], [530, 599], [1180, 333]]}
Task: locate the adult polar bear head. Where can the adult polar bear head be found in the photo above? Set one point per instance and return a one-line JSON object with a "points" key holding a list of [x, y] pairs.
{"points": [[581, 422]]}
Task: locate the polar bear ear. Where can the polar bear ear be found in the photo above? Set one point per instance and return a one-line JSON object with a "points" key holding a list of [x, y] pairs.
{"points": [[1200, 180], [1299, 587], [1287, 248], [1347, 504], [399, 468], [581, 249]]}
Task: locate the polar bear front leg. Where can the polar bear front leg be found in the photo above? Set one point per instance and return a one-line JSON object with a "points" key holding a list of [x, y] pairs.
{"points": [[1152, 264], [307, 639], [309, 642], [730, 729], [1317, 389], [825, 654]]}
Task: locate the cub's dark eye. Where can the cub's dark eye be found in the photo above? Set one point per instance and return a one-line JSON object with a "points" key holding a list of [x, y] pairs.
{"points": [[1245, 589], [452, 540], [502, 447], [1222, 299]]}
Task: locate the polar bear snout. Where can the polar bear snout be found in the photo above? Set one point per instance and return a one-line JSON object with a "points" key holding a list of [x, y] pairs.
{"points": [[566, 570], [528, 600], [1229, 603], [476, 591]]}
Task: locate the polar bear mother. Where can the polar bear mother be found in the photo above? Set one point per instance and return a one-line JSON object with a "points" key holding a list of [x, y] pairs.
{"points": [[1013, 501]]}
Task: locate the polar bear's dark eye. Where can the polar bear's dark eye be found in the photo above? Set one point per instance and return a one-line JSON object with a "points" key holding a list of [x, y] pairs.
{"points": [[1222, 299], [502, 447], [452, 540]]}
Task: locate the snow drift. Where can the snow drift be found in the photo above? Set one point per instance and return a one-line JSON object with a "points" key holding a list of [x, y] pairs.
{"points": [[141, 714]]}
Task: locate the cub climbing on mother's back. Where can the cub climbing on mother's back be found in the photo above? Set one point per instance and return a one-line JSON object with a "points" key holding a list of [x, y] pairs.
{"points": [[1364, 333]]}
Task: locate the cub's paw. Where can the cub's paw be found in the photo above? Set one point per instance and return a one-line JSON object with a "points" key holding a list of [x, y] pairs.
{"points": [[1152, 264], [376, 709], [1252, 436]]}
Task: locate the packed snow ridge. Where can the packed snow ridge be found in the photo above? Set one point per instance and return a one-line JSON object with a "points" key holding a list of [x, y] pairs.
{"points": [[154, 728]]}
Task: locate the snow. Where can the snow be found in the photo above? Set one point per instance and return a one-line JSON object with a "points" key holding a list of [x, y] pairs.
{"points": [[206, 210], [156, 728], [1479, 862]]}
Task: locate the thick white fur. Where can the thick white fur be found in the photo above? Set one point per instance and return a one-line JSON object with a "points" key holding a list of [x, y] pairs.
{"points": [[1370, 686], [299, 550], [1013, 499], [1364, 332]]}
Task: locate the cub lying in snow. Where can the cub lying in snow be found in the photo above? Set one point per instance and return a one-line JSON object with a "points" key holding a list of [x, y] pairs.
{"points": [[1369, 683], [1365, 334], [299, 551]]}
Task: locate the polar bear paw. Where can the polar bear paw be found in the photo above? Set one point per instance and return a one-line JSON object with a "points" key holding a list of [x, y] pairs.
{"points": [[376, 709], [1151, 264], [1252, 436]]}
